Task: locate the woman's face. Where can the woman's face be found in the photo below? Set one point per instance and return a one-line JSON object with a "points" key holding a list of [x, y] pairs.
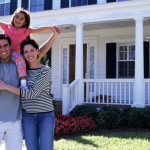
{"points": [[30, 53]]}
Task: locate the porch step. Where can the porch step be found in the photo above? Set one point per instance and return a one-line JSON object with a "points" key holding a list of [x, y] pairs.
{"points": [[57, 106]]}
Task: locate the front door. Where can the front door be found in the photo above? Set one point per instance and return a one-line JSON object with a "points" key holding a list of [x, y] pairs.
{"points": [[72, 49]]}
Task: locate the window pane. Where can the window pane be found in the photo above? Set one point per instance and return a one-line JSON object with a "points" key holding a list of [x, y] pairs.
{"points": [[4, 9], [123, 53], [126, 69], [131, 52], [65, 51]]}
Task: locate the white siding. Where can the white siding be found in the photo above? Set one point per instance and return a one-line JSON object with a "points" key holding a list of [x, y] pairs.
{"points": [[56, 4], [101, 1]]}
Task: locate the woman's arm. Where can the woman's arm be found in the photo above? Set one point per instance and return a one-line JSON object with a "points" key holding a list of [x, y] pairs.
{"points": [[41, 83], [4, 86], [48, 44]]}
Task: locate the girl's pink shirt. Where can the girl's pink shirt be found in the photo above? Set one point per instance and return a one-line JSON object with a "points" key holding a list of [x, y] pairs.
{"points": [[16, 35]]}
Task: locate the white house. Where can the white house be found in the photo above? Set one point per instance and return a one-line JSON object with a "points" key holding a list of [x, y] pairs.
{"points": [[102, 56]]}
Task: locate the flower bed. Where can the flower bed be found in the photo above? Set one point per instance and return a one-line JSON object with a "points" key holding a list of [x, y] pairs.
{"points": [[69, 125]]}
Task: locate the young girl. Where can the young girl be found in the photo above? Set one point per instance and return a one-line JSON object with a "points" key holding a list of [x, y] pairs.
{"points": [[18, 30]]}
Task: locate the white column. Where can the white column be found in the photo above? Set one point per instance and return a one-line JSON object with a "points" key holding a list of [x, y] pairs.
{"points": [[79, 61], [139, 90], [19, 4], [65, 99], [79, 52]]}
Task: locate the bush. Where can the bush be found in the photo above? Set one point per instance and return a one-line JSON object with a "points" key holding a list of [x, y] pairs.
{"points": [[133, 117], [81, 110], [109, 117], [66, 125]]}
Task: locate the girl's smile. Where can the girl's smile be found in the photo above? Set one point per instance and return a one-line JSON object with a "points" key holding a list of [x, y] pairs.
{"points": [[19, 20]]}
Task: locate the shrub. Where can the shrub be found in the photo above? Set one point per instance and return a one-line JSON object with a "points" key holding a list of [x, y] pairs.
{"points": [[81, 110], [133, 117], [109, 117], [67, 125]]}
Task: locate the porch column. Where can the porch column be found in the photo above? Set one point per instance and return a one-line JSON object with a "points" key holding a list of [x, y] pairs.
{"points": [[79, 61], [19, 4], [79, 52], [139, 90]]}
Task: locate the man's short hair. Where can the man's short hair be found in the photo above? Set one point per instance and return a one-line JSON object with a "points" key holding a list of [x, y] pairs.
{"points": [[6, 37]]}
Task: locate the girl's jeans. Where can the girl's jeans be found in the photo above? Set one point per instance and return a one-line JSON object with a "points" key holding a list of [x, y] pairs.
{"points": [[39, 130]]}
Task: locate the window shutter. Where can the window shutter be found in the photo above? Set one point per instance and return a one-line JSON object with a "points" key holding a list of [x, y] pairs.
{"points": [[64, 3], [13, 6], [73, 3], [90, 2], [25, 4], [146, 59], [109, 1], [48, 5], [111, 60]]}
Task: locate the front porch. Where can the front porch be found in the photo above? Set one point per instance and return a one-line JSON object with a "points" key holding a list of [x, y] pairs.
{"points": [[104, 92]]}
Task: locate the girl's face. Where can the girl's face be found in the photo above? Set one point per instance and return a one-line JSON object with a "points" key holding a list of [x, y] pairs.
{"points": [[19, 20], [30, 53]]}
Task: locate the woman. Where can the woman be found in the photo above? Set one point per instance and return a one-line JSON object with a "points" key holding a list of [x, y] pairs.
{"points": [[38, 110]]}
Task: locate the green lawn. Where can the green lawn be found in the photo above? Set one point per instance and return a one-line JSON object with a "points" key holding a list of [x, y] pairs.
{"points": [[107, 140]]}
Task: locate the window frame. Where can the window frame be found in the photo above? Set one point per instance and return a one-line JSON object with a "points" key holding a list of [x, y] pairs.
{"points": [[125, 60]]}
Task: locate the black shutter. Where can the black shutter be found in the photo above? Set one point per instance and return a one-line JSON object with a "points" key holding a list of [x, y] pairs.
{"points": [[90, 2], [13, 6], [49, 53], [25, 4], [109, 1], [111, 60], [64, 3], [48, 5], [73, 3], [146, 59]]}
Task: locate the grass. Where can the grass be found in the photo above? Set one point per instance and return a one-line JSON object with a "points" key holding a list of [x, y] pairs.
{"points": [[106, 140]]}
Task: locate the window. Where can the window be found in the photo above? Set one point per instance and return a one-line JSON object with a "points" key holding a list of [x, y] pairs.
{"points": [[82, 2], [91, 63], [4, 7], [65, 59], [36, 5], [126, 61]]}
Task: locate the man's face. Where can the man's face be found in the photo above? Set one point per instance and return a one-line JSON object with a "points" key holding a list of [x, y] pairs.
{"points": [[5, 50]]}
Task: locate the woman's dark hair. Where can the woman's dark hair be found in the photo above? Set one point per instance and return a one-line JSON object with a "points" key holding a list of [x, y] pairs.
{"points": [[6, 37], [27, 17], [26, 42]]}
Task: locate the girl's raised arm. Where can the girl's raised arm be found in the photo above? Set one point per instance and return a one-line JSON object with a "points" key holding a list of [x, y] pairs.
{"points": [[48, 44], [1, 24], [41, 29]]}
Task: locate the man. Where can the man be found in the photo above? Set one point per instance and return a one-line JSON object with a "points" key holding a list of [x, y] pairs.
{"points": [[10, 108]]}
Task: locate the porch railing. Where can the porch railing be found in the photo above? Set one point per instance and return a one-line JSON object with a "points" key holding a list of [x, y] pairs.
{"points": [[147, 91], [73, 94], [108, 91]]}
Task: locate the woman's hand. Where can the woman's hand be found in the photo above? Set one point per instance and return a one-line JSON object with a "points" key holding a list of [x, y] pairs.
{"points": [[56, 29], [3, 85]]}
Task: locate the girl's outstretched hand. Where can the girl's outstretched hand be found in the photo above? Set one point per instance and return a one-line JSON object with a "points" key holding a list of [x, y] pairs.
{"points": [[3, 85]]}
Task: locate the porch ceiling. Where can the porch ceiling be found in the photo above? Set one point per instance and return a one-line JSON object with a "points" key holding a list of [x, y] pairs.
{"points": [[104, 25]]}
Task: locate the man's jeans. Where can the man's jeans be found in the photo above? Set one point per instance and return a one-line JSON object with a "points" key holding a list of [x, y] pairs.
{"points": [[39, 130], [11, 132]]}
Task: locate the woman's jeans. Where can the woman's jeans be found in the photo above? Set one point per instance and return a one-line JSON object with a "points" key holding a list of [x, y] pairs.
{"points": [[39, 130]]}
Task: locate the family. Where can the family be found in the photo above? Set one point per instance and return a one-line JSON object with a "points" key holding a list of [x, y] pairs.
{"points": [[26, 106]]}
